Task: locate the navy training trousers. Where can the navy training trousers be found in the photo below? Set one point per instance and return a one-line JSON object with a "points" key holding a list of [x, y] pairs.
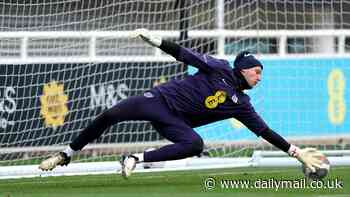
{"points": [[151, 107]]}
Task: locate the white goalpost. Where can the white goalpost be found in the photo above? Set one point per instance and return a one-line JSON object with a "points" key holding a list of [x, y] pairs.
{"points": [[63, 63]]}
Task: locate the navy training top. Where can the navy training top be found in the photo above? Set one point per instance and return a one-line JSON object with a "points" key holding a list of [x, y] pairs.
{"points": [[210, 95]]}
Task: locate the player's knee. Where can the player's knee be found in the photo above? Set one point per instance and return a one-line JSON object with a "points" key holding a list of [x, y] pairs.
{"points": [[197, 146]]}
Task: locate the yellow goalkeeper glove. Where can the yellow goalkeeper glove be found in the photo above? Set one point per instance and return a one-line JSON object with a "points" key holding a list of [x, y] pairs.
{"points": [[310, 157], [147, 36]]}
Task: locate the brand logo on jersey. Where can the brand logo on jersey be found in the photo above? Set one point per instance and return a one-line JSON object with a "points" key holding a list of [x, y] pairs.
{"points": [[234, 99], [53, 104], [148, 95], [213, 101], [247, 54]]}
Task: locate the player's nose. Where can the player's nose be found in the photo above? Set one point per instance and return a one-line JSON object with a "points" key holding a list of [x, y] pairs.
{"points": [[258, 78]]}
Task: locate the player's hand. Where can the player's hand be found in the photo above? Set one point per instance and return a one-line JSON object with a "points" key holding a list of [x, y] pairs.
{"points": [[147, 36], [310, 157]]}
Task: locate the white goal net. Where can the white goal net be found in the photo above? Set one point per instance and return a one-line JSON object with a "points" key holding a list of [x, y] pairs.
{"points": [[64, 62]]}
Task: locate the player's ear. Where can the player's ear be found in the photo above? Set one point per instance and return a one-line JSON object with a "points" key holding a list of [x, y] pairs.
{"points": [[243, 71]]}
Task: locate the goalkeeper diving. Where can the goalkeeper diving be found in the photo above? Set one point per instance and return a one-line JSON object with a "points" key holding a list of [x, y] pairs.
{"points": [[174, 108]]}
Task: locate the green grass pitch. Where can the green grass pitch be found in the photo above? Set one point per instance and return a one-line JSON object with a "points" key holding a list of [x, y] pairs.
{"points": [[182, 183]]}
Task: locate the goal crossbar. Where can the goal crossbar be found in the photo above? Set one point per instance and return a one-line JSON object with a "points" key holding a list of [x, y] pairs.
{"points": [[94, 37]]}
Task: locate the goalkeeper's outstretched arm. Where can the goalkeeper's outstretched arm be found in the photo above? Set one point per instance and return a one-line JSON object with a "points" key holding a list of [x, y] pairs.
{"points": [[188, 56], [308, 156]]}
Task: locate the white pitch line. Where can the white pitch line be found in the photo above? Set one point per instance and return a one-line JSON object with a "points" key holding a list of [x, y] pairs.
{"points": [[336, 195], [255, 172]]}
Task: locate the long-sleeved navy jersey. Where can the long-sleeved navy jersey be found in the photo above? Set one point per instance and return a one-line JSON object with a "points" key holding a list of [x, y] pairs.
{"points": [[211, 94]]}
